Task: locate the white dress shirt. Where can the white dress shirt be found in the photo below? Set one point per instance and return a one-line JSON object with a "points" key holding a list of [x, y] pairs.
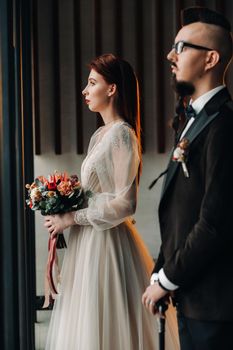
{"points": [[197, 105]]}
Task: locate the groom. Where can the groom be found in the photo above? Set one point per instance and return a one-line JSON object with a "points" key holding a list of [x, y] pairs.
{"points": [[195, 262]]}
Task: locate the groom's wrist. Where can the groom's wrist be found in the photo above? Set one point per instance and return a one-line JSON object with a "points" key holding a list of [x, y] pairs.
{"points": [[162, 281], [155, 278]]}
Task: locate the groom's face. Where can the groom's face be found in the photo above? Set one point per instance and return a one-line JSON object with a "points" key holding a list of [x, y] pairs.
{"points": [[189, 64]]}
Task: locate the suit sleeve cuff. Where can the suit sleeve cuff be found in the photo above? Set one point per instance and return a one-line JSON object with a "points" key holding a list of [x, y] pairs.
{"points": [[164, 281]]}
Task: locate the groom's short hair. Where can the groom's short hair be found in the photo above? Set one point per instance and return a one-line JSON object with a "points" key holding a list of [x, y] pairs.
{"points": [[204, 15], [220, 33]]}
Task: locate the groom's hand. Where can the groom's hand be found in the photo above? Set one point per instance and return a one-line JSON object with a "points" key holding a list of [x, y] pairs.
{"points": [[151, 296]]}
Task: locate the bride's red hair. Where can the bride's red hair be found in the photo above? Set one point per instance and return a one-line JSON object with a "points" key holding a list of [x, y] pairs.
{"points": [[127, 102]]}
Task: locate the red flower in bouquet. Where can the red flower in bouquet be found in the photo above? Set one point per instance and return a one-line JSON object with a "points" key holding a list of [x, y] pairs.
{"points": [[52, 186]]}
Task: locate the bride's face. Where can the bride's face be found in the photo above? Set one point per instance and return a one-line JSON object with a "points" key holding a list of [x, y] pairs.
{"points": [[97, 93]]}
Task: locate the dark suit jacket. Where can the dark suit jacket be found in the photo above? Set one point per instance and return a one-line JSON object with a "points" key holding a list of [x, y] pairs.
{"points": [[196, 216]]}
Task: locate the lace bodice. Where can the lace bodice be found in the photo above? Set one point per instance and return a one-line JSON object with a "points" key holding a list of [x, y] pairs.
{"points": [[109, 171]]}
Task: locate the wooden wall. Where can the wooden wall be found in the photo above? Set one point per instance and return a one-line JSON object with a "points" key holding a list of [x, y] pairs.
{"points": [[69, 33]]}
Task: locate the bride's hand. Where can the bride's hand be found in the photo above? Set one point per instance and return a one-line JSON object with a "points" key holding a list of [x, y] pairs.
{"points": [[59, 222]]}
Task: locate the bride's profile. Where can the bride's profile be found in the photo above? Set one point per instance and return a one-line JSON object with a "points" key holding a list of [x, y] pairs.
{"points": [[106, 266]]}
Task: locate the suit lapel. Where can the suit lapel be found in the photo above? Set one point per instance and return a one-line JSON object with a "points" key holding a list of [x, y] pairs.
{"points": [[202, 120]]}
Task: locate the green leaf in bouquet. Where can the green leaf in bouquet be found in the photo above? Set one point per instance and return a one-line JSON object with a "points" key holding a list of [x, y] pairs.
{"points": [[80, 201], [58, 208], [42, 205], [38, 183], [88, 194], [80, 193], [55, 202], [74, 199], [71, 195], [52, 200]]}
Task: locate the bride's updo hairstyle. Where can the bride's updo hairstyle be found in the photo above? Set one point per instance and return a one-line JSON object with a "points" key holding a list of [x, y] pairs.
{"points": [[118, 71]]}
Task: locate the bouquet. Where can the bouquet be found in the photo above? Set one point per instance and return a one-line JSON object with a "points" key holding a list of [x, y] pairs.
{"points": [[57, 194]]}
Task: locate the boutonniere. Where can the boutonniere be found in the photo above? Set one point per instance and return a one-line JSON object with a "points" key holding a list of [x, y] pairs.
{"points": [[180, 155]]}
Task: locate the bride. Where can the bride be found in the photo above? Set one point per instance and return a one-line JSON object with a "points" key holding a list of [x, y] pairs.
{"points": [[106, 265]]}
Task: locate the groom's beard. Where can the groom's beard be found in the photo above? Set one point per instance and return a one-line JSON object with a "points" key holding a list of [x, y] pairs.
{"points": [[182, 88]]}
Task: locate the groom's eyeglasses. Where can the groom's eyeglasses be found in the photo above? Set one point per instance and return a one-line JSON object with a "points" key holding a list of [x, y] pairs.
{"points": [[179, 46]]}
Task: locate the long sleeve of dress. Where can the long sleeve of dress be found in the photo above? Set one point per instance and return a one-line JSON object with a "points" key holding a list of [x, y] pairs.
{"points": [[114, 170]]}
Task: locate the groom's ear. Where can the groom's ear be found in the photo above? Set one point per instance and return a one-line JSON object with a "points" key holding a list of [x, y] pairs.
{"points": [[112, 90]]}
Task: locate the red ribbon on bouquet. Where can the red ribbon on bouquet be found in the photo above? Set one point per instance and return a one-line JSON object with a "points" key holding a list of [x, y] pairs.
{"points": [[52, 264]]}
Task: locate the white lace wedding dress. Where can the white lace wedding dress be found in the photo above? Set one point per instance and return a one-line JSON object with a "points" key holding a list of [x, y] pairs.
{"points": [[106, 266]]}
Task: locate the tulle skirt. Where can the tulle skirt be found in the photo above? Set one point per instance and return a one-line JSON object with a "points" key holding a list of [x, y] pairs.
{"points": [[103, 277]]}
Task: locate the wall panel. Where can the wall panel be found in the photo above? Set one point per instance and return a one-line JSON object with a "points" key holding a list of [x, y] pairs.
{"points": [[142, 32]]}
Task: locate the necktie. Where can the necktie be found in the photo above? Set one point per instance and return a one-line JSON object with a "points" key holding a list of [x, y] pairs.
{"points": [[189, 112]]}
